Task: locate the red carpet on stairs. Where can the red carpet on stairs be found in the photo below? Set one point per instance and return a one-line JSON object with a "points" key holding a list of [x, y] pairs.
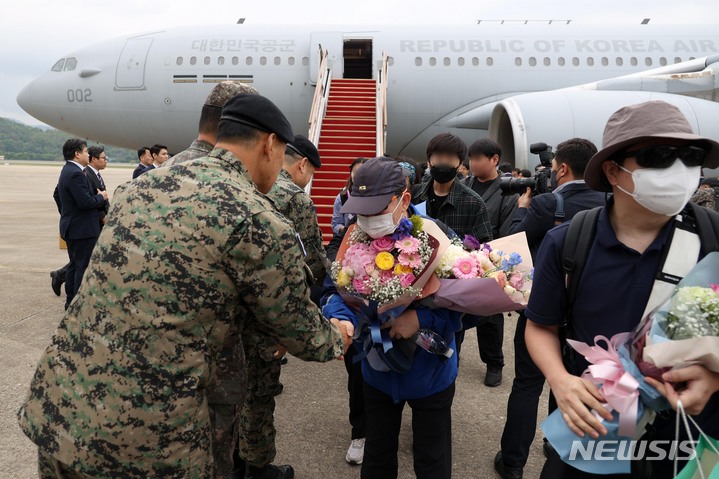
{"points": [[348, 132]]}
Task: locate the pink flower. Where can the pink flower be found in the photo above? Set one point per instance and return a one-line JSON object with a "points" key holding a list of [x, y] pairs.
{"points": [[386, 276], [406, 280], [715, 287], [361, 285], [465, 267], [384, 243], [359, 258], [408, 244], [413, 260], [356, 248], [516, 280], [501, 278]]}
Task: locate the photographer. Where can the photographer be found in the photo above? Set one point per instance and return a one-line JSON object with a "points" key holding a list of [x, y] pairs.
{"points": [[536, 216]]}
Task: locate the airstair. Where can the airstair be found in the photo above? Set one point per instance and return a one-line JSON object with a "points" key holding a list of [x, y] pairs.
{"points": [[348, 120]]}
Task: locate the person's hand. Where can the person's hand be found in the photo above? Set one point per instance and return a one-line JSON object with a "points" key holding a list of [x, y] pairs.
{"points": [[698, 384], [525, 200], [347, 330], [574, 397], [103, 193], [280, 351], [341, 229], [404, 326]]}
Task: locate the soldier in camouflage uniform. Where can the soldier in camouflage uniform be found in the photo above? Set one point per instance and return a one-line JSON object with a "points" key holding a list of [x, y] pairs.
{"points": [[189, 256], [225, 396], [209, 120], [257, 431]]}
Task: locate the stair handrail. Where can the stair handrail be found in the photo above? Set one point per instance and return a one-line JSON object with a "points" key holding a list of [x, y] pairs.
{"points": [[381, 111], [319, 102]]}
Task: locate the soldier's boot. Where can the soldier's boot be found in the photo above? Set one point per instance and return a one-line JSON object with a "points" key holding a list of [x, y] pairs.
{"points": [[270, 471]]}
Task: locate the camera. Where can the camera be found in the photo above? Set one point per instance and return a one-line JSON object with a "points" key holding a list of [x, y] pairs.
{"points": [[540, 182]]}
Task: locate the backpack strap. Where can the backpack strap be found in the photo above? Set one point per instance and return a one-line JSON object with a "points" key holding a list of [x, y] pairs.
{"points": [[559, 210], [577, 243], [707, 227]]}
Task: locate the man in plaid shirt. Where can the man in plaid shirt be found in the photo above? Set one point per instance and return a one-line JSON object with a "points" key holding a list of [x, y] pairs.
{"points": [[446, 198]]}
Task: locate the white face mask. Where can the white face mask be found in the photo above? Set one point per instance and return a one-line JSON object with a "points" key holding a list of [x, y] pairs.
{"points": [[664, 191], [379, 225]]}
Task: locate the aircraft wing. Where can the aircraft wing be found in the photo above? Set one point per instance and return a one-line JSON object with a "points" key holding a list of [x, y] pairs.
{"points": [[696, 78], [518, 120]]}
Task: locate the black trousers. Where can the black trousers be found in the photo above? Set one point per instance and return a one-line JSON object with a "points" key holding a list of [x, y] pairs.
{"points": [[431, 435], [62, 272], [523, 402], [355, 388], [79, 251], [490, 335]]}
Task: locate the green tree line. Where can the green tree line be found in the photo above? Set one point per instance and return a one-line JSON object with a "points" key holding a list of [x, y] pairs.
{"points": [[23, 142]]}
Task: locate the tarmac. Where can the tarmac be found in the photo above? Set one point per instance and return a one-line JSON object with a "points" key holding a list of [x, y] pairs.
{"points": [[313, 431]]}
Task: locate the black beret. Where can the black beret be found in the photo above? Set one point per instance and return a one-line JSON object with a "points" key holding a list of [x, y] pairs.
{"points": [[258, 112], [304, 147]]}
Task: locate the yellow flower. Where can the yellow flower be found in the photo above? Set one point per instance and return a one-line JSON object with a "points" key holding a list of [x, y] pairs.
{"points": [[400, 269], [384, 261], [343, 279]]}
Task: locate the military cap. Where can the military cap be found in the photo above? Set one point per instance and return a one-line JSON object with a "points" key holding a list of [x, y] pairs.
{"points": [[225, 90], [304, 147], [258, 112], [375, 183]]}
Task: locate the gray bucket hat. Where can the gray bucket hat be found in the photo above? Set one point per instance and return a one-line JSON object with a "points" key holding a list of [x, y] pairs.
{"points": [[644, 121]]}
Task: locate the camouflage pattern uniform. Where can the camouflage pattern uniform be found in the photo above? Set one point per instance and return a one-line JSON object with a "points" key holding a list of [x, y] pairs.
{"points": [[190, 255], [197, 149], [224, 403], [257, 429], [704, 197]]}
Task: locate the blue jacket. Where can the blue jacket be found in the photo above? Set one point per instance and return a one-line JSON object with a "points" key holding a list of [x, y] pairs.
{"points": [[430, 373]]}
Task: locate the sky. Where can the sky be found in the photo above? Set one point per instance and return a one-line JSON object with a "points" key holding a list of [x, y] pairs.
{"points": [[36, 33]]}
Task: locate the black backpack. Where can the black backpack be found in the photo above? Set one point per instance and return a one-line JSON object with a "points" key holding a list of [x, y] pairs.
{"points": [[582, 229]]}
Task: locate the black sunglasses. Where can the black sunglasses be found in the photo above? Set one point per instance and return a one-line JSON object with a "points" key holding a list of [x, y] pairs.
{"points": [[663, 156]]}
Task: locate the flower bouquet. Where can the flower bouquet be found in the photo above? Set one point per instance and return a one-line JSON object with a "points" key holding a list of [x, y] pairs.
{"points": [[380, 277], [391, 271], [684, 330], [483, 279]]}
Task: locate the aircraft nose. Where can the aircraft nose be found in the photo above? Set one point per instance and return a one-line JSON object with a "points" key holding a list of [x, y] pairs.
{"points": [[24, 98]]}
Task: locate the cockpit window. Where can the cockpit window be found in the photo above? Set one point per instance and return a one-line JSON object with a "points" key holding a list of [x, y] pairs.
{"points": [[70, 64], [57, 67]]}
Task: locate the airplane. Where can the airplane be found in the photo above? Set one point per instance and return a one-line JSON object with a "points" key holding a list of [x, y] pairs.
{"points": [[517, 83]]}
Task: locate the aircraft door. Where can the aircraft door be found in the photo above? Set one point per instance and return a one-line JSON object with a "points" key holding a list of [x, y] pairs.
{"points": [[130, 72], [332, 42]]}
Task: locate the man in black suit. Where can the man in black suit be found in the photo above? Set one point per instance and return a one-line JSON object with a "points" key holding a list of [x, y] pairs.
{"points": [[536, 216], [159, 157], [97, 163], [79, 207], [143, 154]]}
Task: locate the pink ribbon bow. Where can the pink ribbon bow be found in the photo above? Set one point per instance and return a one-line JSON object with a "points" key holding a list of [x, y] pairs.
{"points": [[620, 389]]}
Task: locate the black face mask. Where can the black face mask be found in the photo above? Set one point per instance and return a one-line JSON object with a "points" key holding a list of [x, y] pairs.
{"points": [[443, 174], [553, 180]]}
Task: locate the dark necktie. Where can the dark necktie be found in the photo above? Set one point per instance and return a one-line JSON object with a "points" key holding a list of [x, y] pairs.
{"points": [[102, 183]]}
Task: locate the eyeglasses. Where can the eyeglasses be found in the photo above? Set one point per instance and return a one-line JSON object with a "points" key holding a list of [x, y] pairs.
{"points": [[663, 156]]}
